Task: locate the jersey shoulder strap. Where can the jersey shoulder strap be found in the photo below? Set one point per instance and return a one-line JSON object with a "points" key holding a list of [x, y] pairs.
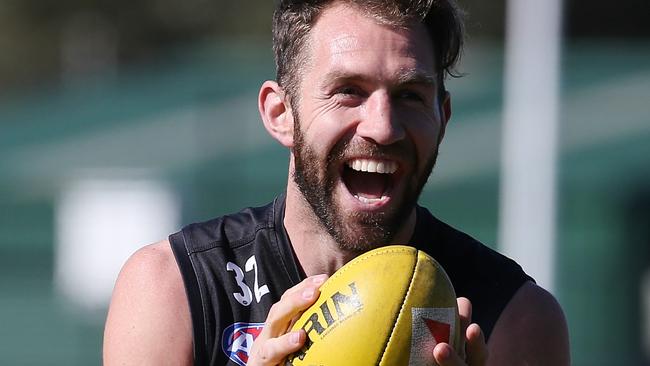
{"points": [[234, 268]]}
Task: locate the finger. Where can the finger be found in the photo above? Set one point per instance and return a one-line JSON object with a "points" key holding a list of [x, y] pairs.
{"points": [[465, 312], [317, 280], [293, 302], [444, 355], [274, 350], [465, 315], [272, 345], [477, 352]]}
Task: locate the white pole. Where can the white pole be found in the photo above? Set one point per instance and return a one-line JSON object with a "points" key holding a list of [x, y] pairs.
{"points": [[527, 212]]}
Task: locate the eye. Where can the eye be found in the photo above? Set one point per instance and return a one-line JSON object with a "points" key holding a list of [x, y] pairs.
{"points": [[349, 95], [410, 95], [349, 91]]}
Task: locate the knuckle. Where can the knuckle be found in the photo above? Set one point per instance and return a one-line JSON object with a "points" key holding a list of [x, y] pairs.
{"points": [[291, 300], [269, 354], [264, 355], [286, 295], [275, 311], [290, 293]]}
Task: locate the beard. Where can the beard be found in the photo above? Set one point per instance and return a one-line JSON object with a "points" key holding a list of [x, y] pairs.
{"points": [[316, 179]]}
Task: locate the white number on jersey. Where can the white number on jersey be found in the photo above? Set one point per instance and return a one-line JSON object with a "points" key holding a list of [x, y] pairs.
{"points": [[245, 297]]}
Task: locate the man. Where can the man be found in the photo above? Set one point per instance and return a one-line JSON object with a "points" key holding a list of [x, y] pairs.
{"points": [[360, 103]]}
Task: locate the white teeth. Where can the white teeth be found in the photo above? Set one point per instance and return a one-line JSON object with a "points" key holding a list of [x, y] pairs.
{"points": [[369, 200], [381, 166], [373, 166], [355, 164]]}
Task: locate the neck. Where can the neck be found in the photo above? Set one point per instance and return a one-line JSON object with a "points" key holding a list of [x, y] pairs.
{"points": [[315, 248]]}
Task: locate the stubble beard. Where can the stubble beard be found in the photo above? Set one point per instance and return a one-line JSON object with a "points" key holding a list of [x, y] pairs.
{"points": [[356, 231]]}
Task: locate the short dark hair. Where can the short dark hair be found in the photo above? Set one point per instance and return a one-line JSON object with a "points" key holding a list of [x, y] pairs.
{"points": [[294, 19]]}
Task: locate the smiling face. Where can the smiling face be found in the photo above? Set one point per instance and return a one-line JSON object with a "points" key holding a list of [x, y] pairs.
{"points": [[367, 126]]}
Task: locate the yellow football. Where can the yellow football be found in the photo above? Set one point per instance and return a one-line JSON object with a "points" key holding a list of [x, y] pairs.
{"points": [[389, 306]]}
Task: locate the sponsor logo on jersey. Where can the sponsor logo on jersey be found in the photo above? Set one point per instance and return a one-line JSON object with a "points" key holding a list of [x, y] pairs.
{"points": [[430, 326], [237, 341]]}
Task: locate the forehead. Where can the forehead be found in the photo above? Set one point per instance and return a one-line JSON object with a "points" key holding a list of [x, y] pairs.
{"points": [[344, 35]]}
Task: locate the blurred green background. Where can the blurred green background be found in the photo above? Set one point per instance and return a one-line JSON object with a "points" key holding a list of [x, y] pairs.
{"points": [[165, 91]]}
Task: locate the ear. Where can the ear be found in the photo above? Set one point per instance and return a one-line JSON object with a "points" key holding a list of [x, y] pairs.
{"points": [[276, 113], [445, 115]]}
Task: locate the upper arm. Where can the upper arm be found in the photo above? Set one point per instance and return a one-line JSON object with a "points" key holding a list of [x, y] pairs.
{"points": [[531, 330], [149, 320]]}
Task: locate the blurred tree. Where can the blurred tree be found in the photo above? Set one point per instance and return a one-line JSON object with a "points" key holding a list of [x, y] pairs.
{"points": [[35, 34], [39, 37]]}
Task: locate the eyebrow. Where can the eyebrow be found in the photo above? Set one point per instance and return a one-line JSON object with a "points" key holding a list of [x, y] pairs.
{"points": [[404, 76], [413, 76]]}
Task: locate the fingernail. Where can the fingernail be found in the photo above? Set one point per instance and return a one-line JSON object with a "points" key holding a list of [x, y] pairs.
{"points": [[319, 279], [444, 352], [308, 293], [294, 338]]}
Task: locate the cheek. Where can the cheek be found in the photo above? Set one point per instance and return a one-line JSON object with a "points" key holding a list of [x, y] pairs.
{"points": [[426, 145], [425, 135], [327, 129], [422, 117]]}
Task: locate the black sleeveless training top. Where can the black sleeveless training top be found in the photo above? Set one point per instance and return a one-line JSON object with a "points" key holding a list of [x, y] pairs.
{"points": [[236, 266]]}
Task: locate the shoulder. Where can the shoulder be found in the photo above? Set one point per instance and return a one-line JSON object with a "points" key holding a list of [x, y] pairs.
{"points": [[148, 320], [531, 330], [152, 266], [230, 230]]}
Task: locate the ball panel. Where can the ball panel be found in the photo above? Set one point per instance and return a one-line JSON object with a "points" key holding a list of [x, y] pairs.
{"points": [[429, 316], [362, 299]]}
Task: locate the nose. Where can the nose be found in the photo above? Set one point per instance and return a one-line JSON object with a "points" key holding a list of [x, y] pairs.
{"points": [[379, 122]]}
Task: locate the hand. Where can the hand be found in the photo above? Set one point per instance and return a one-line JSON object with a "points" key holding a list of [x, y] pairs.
{"points": [[475, 347], [274, 344]]}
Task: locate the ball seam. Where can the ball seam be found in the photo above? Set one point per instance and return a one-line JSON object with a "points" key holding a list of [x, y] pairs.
{"points": [[363, 258], [401, 310]]}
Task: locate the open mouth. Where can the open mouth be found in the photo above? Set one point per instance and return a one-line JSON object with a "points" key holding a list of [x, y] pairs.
{"points": [[369, 180]]}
